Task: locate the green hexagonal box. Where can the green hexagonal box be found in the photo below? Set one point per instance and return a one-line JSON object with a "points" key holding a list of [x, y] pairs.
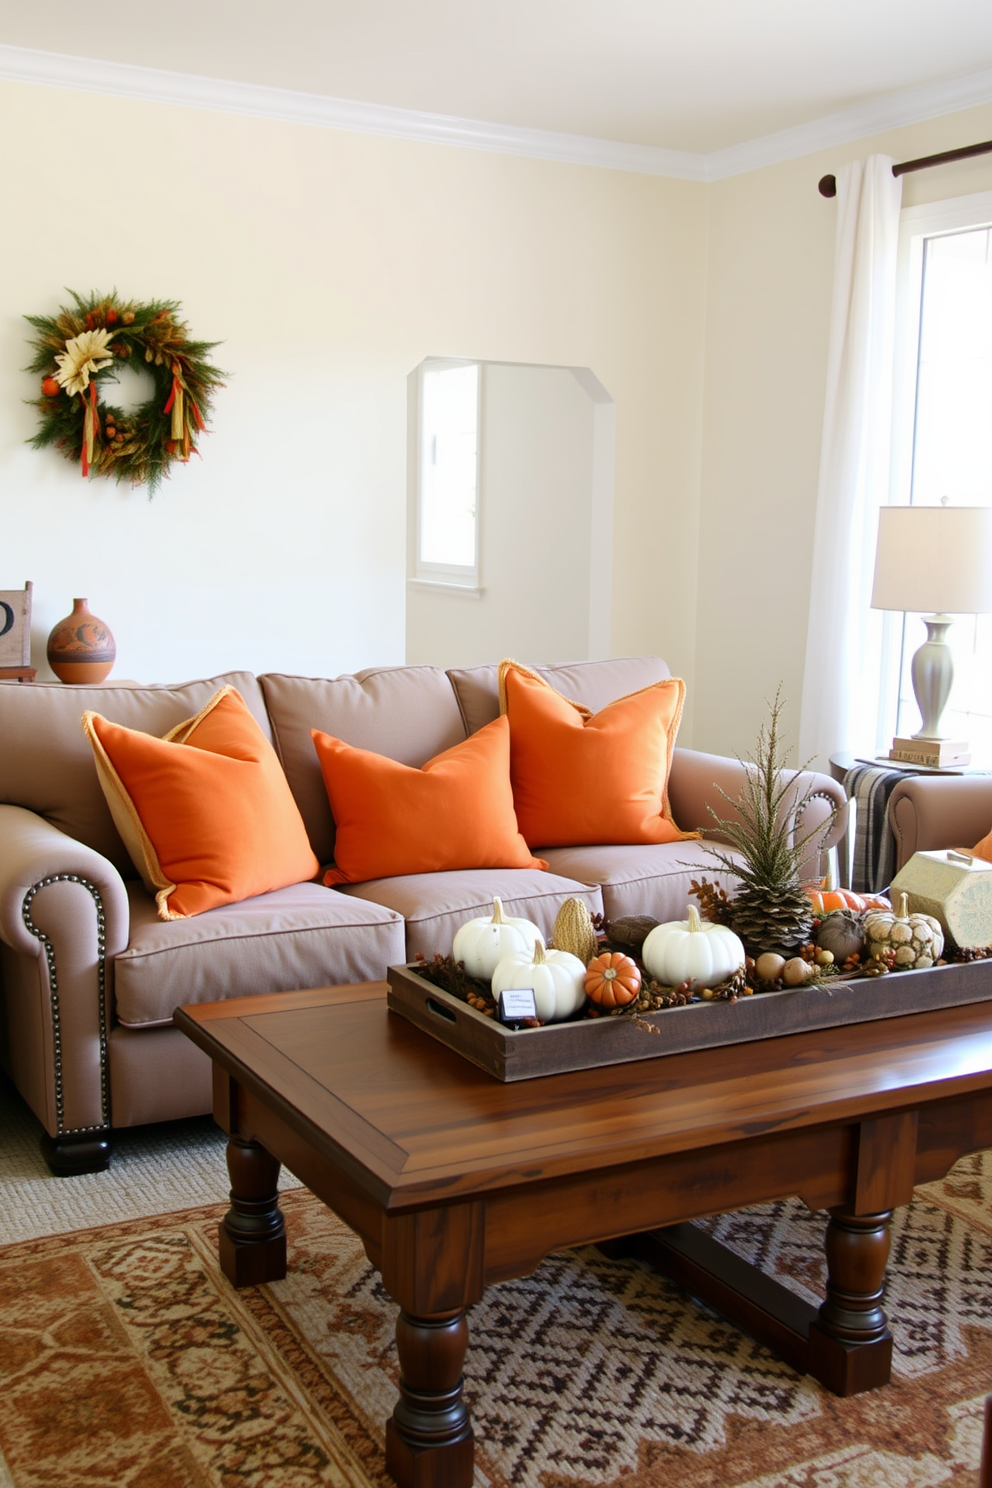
{"points": [[955, 888]]}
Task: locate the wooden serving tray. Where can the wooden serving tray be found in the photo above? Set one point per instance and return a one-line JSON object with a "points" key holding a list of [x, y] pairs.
{"points": [[524, 1054]]}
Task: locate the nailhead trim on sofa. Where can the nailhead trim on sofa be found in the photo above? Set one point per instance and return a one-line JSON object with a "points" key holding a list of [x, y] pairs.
{"points": [[53, 983]]}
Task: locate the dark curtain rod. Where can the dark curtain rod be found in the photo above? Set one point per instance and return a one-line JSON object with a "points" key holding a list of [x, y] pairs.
{"points": [[828, 184]]}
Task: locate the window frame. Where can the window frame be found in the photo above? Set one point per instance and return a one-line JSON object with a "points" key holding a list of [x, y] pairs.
{"points": [[451, 577]]}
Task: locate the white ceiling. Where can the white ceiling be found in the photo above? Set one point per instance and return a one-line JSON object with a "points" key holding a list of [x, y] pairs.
{"points": [[685, 75]]}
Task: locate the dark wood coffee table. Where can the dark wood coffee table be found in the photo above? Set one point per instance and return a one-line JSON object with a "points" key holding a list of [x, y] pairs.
{"points": [[454, 1181]]}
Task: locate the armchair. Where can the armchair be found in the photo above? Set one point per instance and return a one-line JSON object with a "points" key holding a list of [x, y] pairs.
{"points": [[927, 812]]}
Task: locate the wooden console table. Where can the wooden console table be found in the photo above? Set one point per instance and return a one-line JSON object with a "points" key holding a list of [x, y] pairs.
{"points": [[454, 1181]]}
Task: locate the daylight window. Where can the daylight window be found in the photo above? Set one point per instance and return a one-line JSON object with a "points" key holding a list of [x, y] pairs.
{"points": [[947, 436], [447, 495]]}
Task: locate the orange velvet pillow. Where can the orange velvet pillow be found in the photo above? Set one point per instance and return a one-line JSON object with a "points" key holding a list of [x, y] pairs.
{"points": [[206, 813], [391, 819], [582, 778]]}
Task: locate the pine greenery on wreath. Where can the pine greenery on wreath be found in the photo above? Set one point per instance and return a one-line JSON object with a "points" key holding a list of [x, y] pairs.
{"points": [[78, 353]]}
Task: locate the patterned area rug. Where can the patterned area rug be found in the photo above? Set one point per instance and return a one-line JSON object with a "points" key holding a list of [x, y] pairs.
{"points": [[126, 1359]]}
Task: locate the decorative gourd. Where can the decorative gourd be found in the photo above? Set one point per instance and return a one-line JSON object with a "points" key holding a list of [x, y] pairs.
{"points": [[842, 933], [612, 980], [482, 943], [630, 931], [825, 900], [917, 939], [573, 931], [692, 950], [557, 979]]}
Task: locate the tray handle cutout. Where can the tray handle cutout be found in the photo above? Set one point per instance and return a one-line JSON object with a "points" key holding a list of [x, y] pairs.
{"points": [[440, 1011]]}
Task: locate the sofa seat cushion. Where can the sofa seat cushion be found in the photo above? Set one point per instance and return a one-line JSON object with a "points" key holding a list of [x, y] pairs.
{"points": [[302, 936], [652, 879], [434, 905]]}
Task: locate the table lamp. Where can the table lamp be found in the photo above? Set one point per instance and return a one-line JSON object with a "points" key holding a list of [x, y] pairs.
{"points": [[935, 561]]}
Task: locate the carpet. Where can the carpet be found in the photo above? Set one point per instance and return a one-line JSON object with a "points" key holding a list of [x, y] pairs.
{"points": [[126, 1359]]}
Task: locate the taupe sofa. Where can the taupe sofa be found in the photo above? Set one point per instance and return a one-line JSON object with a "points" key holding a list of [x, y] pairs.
{"points": [[929, 812], [91, 975]]}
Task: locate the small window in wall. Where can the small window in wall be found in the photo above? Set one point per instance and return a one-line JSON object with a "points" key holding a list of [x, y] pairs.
{"points": [[446, 547]]}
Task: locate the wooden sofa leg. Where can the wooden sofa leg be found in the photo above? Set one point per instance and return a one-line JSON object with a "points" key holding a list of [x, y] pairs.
{"points": [[85, 1152]]}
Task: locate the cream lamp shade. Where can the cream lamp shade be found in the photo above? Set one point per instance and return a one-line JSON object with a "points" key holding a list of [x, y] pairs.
{"points": [[933, 561]]}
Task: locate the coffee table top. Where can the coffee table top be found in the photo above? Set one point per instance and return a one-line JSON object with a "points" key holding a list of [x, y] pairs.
{"points": [[420, 1123]]}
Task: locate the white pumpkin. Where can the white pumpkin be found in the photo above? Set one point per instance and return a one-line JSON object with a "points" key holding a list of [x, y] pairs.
{"points": [[557, 979], [481, 944], [692, 950]]}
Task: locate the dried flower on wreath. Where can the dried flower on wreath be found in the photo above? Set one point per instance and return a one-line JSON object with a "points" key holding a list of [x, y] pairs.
{"points": [[78, 354]]}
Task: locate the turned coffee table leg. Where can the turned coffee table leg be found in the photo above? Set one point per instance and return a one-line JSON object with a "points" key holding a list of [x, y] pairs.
{"points": [[429, 1440], [252, 1233], [850, 1346]]}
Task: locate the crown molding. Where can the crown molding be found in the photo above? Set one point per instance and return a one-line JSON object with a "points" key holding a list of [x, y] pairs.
{"points": [[893, 111], [186, 90]]}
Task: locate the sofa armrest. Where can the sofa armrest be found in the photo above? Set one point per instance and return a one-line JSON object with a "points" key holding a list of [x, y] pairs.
{"points": [[697, 779], [927, 812], [63, 918]]}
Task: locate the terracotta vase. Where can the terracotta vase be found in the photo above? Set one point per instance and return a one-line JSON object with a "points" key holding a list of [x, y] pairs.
{"points": [[81, 648]]}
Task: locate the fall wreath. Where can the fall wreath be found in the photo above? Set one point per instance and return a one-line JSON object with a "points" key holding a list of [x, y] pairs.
{"points": [[78, 353]]}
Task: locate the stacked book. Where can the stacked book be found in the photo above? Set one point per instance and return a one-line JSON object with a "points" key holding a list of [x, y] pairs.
{"points": [[932, 753]]}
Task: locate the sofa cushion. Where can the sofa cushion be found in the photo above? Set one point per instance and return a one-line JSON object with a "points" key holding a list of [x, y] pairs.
{"points": [[408, 713], [454, 812], [206, 812], [303, 936], [581, 777], [591, 683], [434, 905], [46, 763], [652, 879]]}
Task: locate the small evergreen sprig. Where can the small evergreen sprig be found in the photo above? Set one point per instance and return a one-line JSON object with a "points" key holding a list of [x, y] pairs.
{"points": [[771, 853]]}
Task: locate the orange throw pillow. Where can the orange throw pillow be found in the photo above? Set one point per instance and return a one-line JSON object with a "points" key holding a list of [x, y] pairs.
{"points": [[391, 819], [581, 778], [206, 813], [984, 848]]}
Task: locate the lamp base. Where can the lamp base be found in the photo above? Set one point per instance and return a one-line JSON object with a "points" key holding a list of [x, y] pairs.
{"points": [[930, 752]]}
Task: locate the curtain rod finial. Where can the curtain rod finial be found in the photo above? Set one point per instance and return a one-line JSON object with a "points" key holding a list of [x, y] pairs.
{"points": [[827, 186]]}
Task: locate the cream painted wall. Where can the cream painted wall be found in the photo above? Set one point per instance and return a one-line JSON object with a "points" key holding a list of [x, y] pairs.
{"points": [[769, 285], [329, 264]]}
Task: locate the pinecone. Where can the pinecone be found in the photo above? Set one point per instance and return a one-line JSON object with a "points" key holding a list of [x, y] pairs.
{"points": [[772, 918], [771, 910]]}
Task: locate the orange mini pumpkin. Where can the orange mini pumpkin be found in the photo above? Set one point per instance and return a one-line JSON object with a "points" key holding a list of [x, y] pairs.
{"points": [[825, 900], [612, 979]]}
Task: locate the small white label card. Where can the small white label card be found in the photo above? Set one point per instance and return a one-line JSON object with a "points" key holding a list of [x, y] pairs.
{"points": [[516, 1004]]}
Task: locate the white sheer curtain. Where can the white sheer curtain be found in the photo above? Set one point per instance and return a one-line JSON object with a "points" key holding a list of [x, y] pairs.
{"points": [[841, 680]]}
